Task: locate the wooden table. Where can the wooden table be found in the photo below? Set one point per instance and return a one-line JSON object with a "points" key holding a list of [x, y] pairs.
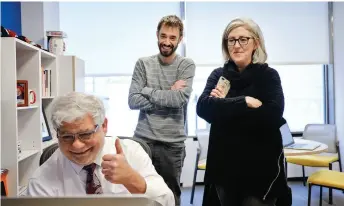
{"points": [[295, 152]]}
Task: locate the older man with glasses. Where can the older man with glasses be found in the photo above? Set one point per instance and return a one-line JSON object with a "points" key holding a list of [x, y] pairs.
{"points": [[87, 162]]}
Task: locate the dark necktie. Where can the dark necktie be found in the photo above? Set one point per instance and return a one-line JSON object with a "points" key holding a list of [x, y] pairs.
{"points": [[93, 185]]}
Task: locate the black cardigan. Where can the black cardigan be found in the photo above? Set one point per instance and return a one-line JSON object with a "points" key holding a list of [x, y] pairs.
{"points": [[245, 145]]}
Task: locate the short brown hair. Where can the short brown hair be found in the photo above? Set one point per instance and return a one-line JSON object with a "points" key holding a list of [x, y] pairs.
{"points": [[171, 21]]}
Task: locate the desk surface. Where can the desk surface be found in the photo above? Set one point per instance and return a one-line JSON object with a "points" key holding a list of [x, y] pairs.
{"points": [[90, 200], [294, 152]]}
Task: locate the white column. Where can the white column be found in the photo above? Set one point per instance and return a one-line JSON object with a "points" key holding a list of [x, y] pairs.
{"points": [[39, 17], [338, 24]]}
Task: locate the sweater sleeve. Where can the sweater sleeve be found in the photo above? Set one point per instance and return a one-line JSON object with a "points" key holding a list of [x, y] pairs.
{"points": [[271, 111], [136, 100], [211, 108], [173, 98]]}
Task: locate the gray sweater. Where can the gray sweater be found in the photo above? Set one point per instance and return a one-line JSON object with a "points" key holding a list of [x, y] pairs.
{"points": [[162, 110]]}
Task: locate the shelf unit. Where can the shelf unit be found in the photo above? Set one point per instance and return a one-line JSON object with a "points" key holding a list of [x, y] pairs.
{"points": [[72, 71], [22, 61], [70, 77], [0, 108]]}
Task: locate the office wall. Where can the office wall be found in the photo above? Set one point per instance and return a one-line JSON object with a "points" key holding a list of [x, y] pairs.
{"points": [[39, 17], [338, 32], [11, 16], [51, 12], [51, 15], [31, 19]]}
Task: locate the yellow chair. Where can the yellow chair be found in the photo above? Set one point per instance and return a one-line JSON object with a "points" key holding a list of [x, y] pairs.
{"points": [[203, 140], [200, 165], [325, 178], [324, 133]]}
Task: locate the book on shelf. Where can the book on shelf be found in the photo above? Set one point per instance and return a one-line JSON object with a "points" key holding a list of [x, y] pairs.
{"points": [[46, 82]]}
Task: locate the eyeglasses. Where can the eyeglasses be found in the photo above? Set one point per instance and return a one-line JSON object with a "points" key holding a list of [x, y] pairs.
{"points": [[83, 136], [242, 41]]}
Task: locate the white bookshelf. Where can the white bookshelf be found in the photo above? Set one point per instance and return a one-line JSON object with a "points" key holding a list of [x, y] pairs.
{"points": [[28, 107], [0, 106], [71, 74], [22, 61], [70, 77], [49, 61]]}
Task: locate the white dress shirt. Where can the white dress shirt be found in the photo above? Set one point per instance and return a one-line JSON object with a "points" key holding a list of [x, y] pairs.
{"points": [[58, 176]]}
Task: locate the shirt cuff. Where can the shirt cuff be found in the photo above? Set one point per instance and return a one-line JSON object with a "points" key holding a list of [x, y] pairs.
{"points": [[159, 192], [150, 189], [146, 91]]}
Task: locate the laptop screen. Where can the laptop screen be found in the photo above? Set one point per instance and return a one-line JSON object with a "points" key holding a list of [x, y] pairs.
{"points": [[287, 137]]}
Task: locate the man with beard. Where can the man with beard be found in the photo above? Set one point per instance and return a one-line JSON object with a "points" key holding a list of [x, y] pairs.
{"points": [[161, 87]]}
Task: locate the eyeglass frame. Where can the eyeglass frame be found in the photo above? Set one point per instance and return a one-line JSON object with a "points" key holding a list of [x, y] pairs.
{"points": [[238, 40], [90, 133]]}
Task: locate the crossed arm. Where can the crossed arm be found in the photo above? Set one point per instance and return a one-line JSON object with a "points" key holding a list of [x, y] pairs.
{"points": [[142, 97], [136, 100], [270, 112], [212, 108]]}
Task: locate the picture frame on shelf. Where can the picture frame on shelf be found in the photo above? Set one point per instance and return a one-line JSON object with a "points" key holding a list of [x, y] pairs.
{"points": [[22, 93], [46, 133]]}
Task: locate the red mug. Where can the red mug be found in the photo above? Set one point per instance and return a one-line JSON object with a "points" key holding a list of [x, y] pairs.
{"points": [[32, 96]]}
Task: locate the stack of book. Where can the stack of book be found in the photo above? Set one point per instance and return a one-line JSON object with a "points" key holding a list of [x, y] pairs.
{"points": [[46, 82]]}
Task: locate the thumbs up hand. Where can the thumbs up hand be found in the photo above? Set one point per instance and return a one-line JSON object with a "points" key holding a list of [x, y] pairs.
{"points": [[115, 168]]}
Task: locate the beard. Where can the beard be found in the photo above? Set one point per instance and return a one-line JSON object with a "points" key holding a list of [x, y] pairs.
{"points": [[167, 53]]}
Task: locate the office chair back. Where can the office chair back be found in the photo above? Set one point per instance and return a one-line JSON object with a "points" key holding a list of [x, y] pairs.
{"points": [[143, 144], [51, 149], [203, 142], [47, 152], [324, 133]]}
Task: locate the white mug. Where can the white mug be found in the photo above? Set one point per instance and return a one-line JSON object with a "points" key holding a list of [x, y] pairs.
{"points": [[57, 45]]}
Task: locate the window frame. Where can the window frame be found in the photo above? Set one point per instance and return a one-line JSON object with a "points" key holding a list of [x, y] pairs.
{"points": [[328, 95], [328, 100]]}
